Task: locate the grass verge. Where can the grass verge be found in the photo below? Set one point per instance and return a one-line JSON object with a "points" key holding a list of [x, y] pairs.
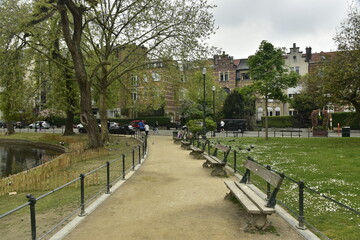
{"points": [[330, 166], [55, 207]]}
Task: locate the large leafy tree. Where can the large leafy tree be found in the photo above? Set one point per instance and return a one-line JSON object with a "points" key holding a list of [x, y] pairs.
{"points": [[99, 29], [14, 63], [271, 78], [336, 78], [342, 73]]}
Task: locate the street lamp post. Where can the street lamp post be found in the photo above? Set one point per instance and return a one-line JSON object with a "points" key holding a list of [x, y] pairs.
{"points": [[204, 103], [213, 90]]}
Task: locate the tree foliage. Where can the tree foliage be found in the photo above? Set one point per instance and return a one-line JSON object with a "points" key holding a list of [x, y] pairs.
{"points": [[336, 80], [271, 78], [14, 64]]}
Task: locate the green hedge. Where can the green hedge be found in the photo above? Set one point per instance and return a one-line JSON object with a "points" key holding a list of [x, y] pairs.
{"points": [[163, 121], [345, 119], [279, 121]]}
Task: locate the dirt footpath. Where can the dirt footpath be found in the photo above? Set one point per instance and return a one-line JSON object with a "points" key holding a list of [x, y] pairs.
{"points": [[172, 197]]}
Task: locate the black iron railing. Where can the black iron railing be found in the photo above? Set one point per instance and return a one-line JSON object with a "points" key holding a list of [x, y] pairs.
{"points": [[106, 188]]}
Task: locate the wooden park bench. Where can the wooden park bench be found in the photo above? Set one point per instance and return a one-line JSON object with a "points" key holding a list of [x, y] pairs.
{"points": [[187, 141], [198, 150], [178, 139], [291, 131], [213, 161], [256, 207]]}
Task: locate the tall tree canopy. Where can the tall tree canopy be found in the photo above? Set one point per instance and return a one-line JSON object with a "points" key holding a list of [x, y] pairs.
{"points": [[271, 77], [108, 39], [336, 79]]}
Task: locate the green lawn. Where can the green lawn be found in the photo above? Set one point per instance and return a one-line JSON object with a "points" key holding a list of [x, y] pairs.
{"points": [[331, 166], [55, 207]]}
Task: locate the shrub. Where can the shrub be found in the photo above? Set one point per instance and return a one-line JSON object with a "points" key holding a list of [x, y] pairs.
{"points": [[195, 125], [345, 119], [279, 121]]}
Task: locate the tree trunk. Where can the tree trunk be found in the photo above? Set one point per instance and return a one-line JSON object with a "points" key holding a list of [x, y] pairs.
{"points": [[73, 42], [69, 128], [10, 128], [266, 119], [103, 116]]}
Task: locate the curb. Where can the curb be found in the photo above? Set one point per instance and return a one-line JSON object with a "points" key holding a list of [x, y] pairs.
{"points": [[77, 220]]}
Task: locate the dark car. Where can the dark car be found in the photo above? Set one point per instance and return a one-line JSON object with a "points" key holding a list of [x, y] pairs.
{"points": [[19, 125], [233, 125], [121, 129]]}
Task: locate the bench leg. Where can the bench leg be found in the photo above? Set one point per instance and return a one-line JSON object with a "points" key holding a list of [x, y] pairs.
{"points": [[206, 164], [197, 155], [185, 146], [257, 222], [219, 171]]}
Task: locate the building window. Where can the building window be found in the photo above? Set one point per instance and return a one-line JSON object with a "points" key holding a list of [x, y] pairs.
{"points": [[134, 80], [260, 113], [223, 76], [245, 76], [297, 70], [270, 111], [145, 78], [155, 76], [291, 112], [134, 96], [277, 111]]}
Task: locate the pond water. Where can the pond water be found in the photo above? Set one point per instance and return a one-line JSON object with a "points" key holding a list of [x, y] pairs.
{"points": [[17, 158]]}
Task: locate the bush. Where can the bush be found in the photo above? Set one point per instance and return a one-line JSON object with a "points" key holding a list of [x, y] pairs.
{"points": [[345, 119], [195, 125], [279, 121], [163, 121]]}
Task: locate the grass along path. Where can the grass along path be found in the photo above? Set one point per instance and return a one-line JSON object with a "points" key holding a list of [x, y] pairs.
{"points": [[55, 207], [330, 166]]}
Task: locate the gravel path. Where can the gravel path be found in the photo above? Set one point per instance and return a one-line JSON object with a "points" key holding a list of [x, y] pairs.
{"points": [[172, 197]]}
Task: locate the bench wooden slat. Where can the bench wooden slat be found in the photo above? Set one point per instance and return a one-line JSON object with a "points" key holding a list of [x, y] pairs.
{"points": [[256, 199], [211, 159], [246, 202], [221, 147], [271, 177]]}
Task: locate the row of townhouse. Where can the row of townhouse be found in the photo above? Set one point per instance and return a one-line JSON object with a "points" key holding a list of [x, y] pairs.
{"points": [[232, 73]]}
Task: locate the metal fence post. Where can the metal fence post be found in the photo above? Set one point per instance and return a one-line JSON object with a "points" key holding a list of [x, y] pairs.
{"points": [[133, 159], [143, 147], [32, 202], [301, 205], [235, 162], [82, 195], [139, 154], [123, 166], [268, 190], [108, 177]]}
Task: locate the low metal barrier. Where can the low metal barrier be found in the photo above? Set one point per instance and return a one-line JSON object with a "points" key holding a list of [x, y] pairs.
{"points": [[300, 212], [106, 188]]}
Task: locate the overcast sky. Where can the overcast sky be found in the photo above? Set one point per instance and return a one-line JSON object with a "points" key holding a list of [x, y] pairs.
{"points": [[243, 24]]}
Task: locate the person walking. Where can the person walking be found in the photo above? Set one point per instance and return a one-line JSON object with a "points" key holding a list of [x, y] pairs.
{"points": [[147, 128], [156, 127], [222, 125], [141, 126]]}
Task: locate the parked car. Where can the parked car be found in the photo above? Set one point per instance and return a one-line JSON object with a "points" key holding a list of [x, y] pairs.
{"points": [[19, 125], [135, 124], [37, 124], [122, 129], [82, 129], [234, 125]]}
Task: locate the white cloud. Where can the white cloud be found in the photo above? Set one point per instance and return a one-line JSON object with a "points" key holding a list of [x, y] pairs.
{"points": [[243, 24]]}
